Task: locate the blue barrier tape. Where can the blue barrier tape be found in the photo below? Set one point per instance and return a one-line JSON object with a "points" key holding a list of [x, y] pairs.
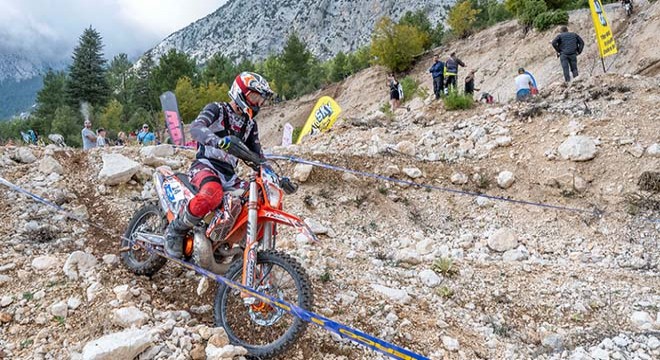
{"points": [[344, 331], [455, 191]]}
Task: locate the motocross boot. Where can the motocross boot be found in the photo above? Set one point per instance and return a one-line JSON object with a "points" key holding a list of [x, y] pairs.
{"points": [[176, 232]]}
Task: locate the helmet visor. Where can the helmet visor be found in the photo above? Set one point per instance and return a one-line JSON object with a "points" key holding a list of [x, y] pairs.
{"points": [[254, 98]]}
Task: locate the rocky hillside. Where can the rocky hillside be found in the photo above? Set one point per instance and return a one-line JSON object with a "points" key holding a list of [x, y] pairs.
{"points": [[255, 29], [447, 275]]}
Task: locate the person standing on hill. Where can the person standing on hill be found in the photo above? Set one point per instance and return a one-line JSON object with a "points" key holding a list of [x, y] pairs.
{"points": [[451, 71], [568, 46], [436, 71], [395, 98], [469, 83], [88, 136]]}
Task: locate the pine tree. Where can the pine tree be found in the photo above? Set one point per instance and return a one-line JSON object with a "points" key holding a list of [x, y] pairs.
{"points": [[119, 78], [49, 99], [144, 95], [87, 81], [339, 69], [220, 69], [172, 66]]}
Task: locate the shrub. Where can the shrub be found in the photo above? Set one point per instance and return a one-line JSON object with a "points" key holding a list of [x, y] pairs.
{"points": [[530, 10], [462, 18], [295, 134], [456, 101], [410, 88], [547, 19], [395, 46]]}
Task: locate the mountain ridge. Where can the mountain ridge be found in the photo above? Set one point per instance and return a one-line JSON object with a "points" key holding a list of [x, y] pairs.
{"points": [[326, 26]]}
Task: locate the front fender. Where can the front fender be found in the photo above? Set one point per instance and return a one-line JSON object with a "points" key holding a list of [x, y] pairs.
{"points": [[280, 217]]}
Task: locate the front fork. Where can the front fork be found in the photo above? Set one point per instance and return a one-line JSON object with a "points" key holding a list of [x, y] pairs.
{"points": [[250, 258]]}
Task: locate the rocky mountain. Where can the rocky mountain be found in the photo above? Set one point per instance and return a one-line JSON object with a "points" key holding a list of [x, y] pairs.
{"points": [[20, 79], [253, 29], [448, 275]]}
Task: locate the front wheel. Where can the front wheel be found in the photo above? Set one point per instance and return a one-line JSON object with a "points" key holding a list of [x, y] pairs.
{"points": [[146, 219], [264, 330]]}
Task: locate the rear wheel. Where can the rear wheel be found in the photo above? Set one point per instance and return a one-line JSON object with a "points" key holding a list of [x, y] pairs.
{"points": [[147, 219], [264, 330]]}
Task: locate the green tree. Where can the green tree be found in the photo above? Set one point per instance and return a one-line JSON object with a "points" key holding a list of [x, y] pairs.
{"points": [[530, 10], [295, 60], [186, 97], [111, 117], [462, 18], [220, 69], [120, 79], [87, 81], [212, 92], [420, 21], [144, 94], [172, 66], [68, 123], [395, 46], [339, 69], [51, 96], [359, 59]]}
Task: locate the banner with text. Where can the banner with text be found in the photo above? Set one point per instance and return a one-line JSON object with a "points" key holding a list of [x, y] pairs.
{"points": [[604, 36]]}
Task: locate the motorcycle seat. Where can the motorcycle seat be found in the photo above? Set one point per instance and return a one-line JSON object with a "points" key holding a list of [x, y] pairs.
{"points": [[183, 178]]}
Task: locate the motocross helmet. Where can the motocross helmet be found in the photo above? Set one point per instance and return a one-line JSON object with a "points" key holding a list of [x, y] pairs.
{"points": [[249, 91]]}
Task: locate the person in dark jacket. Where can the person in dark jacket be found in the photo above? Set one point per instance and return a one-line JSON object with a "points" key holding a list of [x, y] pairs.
{"points": [[568, 46], [436, 71], [451, 71], [469, 83]]}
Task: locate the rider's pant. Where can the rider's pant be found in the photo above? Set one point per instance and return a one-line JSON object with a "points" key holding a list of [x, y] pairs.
{"points": [[210, 192]]}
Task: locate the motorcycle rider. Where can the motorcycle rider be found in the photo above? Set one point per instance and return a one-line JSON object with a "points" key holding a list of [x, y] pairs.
{"points": [[624, 2], [224, 132]]}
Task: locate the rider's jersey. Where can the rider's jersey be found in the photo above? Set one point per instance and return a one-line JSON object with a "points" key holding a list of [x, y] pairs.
{"points": [[216, 121]]}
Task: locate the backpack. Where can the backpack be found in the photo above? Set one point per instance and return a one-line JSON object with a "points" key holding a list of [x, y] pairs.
{"points": [[400, 89]]}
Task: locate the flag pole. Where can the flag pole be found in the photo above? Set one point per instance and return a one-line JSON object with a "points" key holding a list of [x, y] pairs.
{"points": [[602, 61]]}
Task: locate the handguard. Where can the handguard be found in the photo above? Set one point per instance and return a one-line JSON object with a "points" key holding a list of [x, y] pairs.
{"points": [[234, 146], [288, 186]]}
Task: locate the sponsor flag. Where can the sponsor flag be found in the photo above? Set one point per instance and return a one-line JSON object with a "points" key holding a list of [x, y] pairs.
{"points": [[322, 117], [604, 36], [172, 118]]}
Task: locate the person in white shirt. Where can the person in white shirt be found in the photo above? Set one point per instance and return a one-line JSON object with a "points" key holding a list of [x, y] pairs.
{"points": [[101, 141], [524, 85]]}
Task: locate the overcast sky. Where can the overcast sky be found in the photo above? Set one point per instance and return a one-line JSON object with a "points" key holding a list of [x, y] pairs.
{"points": [[52, 27]]}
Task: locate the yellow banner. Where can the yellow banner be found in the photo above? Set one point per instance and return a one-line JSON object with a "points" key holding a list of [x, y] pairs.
{"points": [[606, 45], [322, 117]]}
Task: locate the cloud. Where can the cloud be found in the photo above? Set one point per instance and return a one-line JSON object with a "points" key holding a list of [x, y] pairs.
{"points": [[51, 28]]}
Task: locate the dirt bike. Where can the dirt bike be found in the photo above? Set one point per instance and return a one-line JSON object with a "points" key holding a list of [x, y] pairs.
{"points": [[237, 241], [628, 7]]}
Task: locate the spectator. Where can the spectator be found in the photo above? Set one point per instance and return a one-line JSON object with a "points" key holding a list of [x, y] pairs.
{"points": [[535, 88], [436, 71], [88, 136], [469, 83], [487, 98], [145, 137], [101, 141], [524, 85], [393, 84], [568, 46], [121, 139], [451, 71]]}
